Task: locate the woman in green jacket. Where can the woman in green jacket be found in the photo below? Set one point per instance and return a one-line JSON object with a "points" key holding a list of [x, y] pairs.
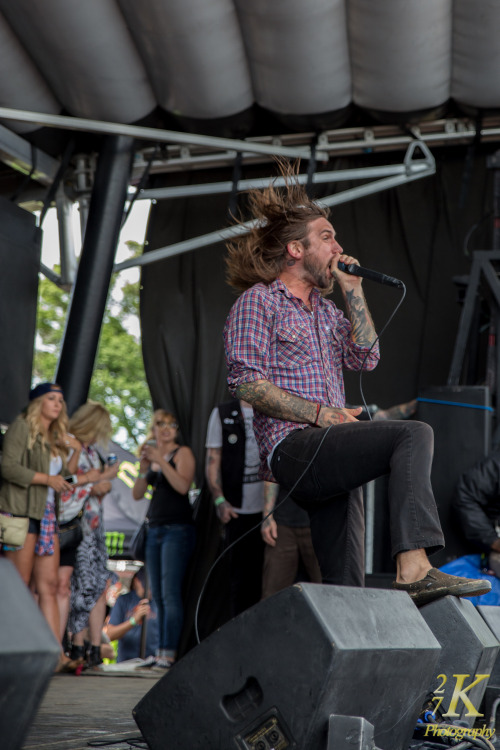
{"points": [[35, 449]]}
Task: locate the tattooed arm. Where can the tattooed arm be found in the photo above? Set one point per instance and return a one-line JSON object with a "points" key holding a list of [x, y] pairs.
{"points": [[225, 510], [400, 411], [275, 402], [362, 329]]}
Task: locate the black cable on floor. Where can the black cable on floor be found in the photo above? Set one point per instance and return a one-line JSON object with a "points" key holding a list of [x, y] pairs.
{"points": [[138, 741]]}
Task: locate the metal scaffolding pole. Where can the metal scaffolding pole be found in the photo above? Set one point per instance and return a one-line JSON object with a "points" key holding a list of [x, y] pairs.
{"points": [[88, 301]]}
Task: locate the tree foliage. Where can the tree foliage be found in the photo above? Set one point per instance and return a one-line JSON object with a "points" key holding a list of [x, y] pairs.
{"points": [[118, 381]]}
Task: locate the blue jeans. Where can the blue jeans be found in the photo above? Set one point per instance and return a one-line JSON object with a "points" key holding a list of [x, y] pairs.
{"points": [[351, 455], [168, 550]]}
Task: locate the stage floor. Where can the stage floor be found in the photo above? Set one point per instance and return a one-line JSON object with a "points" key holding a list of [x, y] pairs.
{"points": [[78, 710]]}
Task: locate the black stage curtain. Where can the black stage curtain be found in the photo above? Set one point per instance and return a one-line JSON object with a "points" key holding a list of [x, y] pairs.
{"points": [[416, 232], [422, 233]]}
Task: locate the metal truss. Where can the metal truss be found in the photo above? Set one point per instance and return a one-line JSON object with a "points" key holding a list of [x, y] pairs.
{"points": [[179, 152], [391, 176], [335, 143], [483, 281], [158, 135], [22, 157]]}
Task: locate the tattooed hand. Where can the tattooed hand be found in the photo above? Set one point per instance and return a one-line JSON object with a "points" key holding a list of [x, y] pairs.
{"points": [[345, 280], [329, 415]]}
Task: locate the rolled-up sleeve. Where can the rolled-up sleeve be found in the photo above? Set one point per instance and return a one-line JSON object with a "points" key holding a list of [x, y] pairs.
{"points": [[14, 448], [247, 340]]}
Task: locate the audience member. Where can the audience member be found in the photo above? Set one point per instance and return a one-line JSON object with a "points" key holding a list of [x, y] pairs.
{"points": [[35, 449], [169, 467], [287, 535], [232, 465], [477, 501], [91, 426], [127, 618]]}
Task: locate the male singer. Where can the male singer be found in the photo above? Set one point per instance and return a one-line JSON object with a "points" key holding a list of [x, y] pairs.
{"points": [[286, 347]]}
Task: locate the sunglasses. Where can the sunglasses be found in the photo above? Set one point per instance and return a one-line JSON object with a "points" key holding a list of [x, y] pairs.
{"points": [[162, 424]]}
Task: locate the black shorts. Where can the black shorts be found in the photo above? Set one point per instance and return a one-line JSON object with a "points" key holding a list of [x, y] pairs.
{"points": [[68, 557], [34, 526]]}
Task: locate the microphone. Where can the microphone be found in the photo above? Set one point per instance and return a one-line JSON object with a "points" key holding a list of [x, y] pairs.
{"points": [[354, 270]]}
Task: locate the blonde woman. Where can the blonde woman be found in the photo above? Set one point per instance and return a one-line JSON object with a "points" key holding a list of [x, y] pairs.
{"points": [[35, 450], [169, 468], [91, 427]]}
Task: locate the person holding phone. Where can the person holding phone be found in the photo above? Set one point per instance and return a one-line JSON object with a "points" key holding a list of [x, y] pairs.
{"points": [[126, 618], [34, 463], [169, 467], [83, 575]]}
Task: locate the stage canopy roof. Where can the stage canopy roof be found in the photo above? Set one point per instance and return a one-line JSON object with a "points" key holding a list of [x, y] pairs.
{"points": [[341, 74]]}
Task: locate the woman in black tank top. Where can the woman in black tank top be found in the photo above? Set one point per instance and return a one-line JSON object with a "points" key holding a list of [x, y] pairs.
{"points": [[169, 468]]}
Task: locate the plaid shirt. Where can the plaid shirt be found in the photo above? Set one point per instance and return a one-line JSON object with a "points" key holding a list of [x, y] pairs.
{"points": [[271, 335], [48, 527]]}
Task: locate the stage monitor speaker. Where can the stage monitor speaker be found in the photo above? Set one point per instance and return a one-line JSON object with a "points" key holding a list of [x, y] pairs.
{"points": [[29, 654], [461, 419], [20, 243], [491, 615], [469, 651], [273, 676]]}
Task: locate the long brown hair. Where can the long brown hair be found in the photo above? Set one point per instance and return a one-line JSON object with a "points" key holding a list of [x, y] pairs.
{"points": [[282, 215]]}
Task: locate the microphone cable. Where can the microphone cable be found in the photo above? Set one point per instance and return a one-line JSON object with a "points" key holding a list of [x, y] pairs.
{"points": [[250, 531], [313, 457], [377, 339]]}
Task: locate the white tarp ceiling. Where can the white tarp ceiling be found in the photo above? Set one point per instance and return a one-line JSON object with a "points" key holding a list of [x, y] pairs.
{"points": [[122, 60]]}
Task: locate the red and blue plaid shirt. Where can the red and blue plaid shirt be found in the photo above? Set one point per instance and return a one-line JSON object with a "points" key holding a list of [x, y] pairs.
{"points": [[271, 335]]}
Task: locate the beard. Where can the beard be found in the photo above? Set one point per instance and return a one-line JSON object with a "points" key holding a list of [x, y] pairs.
{"points": [[318, 274]]}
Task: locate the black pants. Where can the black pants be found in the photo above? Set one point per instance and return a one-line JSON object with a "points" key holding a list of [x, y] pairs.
{"points": [[245, 561], [351, 455]]}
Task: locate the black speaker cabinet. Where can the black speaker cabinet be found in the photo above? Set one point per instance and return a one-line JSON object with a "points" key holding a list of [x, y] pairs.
{"points": [[20, 243], [461, 418], [28, 656], [491, 615], [468, 656], [273, 676]]}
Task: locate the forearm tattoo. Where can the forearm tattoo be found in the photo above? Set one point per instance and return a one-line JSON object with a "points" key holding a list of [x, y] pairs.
{"points": [[270, 495], [275, 402], [362, 328], [213, 473]]}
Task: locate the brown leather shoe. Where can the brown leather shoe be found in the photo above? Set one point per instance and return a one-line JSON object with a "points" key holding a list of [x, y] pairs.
{"points": [[437, 584]]}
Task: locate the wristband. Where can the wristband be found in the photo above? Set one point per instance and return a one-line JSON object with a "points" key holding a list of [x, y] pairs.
{"points": [[219, 500], [141, 476], [318, 409], [132, 621]]}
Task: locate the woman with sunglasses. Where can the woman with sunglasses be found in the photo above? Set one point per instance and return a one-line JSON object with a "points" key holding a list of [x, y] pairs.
{"points": [[35, 451], [169, 468]]}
